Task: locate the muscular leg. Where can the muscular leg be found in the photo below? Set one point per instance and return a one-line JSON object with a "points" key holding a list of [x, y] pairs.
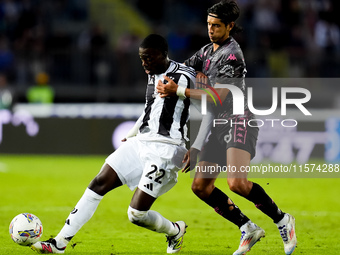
{"points": [[106, 180], [141, 200], [239, 184], [204, 183], [139, 213], [238, 181], [205, 189]]}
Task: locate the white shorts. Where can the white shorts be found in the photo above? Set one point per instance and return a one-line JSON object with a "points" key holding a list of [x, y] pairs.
{"points": [[150, 165]]}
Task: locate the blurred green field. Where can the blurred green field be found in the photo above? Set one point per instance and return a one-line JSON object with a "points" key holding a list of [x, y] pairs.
{"points": [[50, 186]]}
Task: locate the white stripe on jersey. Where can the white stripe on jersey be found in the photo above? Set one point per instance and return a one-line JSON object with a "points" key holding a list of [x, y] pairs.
{"points": [[167, 117]]}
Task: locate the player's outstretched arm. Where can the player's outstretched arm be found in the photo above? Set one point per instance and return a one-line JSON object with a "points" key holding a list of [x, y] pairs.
{"points": [[172, 89], [134, 130]]}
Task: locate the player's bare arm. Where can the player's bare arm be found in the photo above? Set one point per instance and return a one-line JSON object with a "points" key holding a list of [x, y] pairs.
{"points": [[170, 89]]}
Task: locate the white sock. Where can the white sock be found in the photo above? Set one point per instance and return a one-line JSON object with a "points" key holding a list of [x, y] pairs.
{"points": [[161, 224], [81, 214], [152, 220]]}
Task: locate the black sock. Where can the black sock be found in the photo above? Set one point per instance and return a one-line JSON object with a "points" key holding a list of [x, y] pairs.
{"points": [[219, 201], [264, 203]]}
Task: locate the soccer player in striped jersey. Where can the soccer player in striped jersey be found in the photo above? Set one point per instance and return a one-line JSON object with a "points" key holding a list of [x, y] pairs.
{"points": [[222, 62], [147, 161]]}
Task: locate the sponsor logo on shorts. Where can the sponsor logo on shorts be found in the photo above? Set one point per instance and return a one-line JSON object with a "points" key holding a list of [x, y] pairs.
{"points": [[149, 186]]}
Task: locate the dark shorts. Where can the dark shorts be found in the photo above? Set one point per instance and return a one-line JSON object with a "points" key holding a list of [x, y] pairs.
{"points": [[242, 137]]}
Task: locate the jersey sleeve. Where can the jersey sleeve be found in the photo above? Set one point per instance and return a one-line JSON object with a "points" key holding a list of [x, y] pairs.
{"points": [[185, 77], [195, 61], [204, 130], [134, 130]]}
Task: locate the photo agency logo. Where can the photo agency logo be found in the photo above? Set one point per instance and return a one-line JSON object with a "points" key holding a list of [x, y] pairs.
{"points": [[239, 103], [204, 96]]}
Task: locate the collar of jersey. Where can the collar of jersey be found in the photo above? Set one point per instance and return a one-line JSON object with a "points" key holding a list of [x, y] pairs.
{"points": [[226, 41]]}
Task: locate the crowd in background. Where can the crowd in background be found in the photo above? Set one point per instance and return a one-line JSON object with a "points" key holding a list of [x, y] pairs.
{"points": [[60, 38]]}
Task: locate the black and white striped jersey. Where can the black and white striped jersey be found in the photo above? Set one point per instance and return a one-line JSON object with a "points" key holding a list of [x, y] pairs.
{"points": [[166, 118]]}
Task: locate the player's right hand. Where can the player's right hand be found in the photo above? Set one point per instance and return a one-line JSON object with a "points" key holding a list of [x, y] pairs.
{"points": [[168, 89], [201, 80]]}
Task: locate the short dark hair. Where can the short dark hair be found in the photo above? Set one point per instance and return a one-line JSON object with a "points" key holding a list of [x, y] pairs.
{"points": [[228, 11], [155, 41]]}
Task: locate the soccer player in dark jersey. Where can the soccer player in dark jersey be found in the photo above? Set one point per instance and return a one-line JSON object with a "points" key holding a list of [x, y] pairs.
{"points": [[148, 160], [222, 62]]}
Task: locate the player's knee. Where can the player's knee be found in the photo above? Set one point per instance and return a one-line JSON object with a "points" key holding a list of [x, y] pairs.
{"points": [[136, 217], [105, 181], [98, 181], [238, 186], [98, 185], [201, 189]]}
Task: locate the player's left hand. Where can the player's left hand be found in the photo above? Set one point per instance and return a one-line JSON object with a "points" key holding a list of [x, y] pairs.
{"points": [[190, 158], [168, 89]]}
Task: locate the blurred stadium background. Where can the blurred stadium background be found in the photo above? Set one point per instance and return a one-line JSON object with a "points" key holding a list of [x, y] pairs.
{"points": [[82, 56]]}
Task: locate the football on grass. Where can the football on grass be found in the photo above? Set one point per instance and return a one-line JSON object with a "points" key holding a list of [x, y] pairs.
{"points": [[26, 229]]}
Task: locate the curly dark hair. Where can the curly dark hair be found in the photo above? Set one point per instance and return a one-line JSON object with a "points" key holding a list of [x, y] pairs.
{"points": [[228, 11]]}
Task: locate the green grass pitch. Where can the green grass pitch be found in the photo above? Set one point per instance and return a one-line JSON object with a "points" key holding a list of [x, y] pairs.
{"points": [[50, 186]]}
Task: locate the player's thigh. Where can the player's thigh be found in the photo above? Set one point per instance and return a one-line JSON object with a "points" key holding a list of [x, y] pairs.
{"points": [[126, 162], [240, 146], [241, 137], [213, 151], [238, 160], [204, 180]]}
